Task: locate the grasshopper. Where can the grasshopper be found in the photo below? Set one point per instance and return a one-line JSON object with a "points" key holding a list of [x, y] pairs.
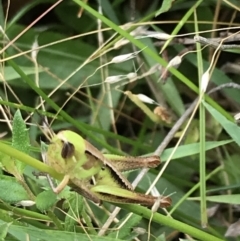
{"points": [[95, 176]]}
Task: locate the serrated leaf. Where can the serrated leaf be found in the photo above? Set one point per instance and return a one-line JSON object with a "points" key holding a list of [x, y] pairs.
{"points": [[69, 223], [231, 128], [11, 190], [126, 230], [76, 206], [20, 138], [45, 200]]}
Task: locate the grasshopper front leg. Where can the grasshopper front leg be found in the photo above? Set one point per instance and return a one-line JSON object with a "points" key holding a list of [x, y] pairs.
{"points": [[68, 155], [84, 189], [62, 184]]}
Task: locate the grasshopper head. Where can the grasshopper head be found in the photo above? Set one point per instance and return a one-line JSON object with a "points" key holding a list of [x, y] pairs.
{"points": [[65, 150]]}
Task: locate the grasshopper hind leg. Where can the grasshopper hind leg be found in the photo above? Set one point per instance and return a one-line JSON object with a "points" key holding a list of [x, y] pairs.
{"points": [[144, 200], [120, 195]]}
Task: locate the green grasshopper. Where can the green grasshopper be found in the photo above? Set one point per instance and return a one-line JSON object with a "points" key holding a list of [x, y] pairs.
{"points": [[96, 176]]}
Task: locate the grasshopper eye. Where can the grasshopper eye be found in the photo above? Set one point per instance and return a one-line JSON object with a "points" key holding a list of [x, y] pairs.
{"points": [[67, 150]]}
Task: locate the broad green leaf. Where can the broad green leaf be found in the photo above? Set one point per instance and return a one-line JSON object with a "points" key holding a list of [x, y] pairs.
{"points": [[35, 234], [7, 217], [61, 59], [231, 128], [11, 190], [10, 74], [169, 89], [3, 231], [191, 149], [166, 5], [218, 76], [102, 115], [188, 209], [162, 237], [233, 199], [232, 169], [45, 200]]}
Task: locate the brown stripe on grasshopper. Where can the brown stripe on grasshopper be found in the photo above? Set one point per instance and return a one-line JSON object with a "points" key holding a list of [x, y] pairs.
{"points": [[114, 171], [128, 163]]}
